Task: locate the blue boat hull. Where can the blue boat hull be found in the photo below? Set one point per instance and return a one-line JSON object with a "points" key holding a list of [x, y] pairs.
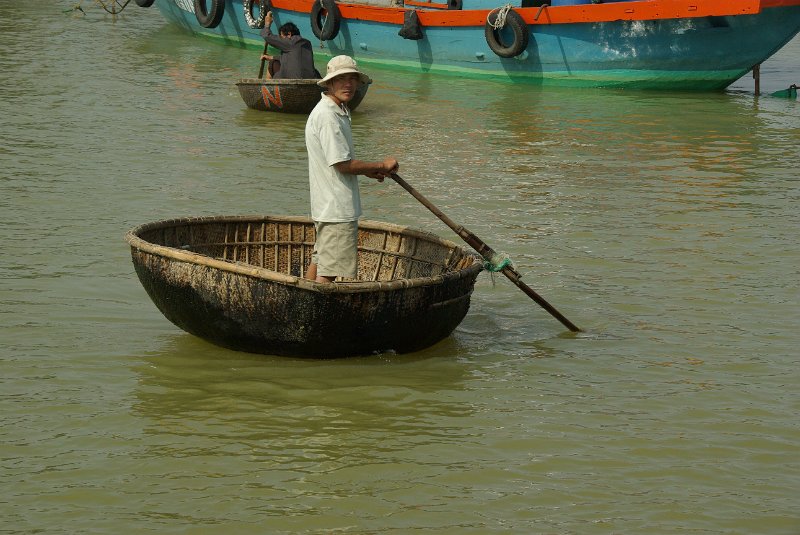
{"points": [[702, 53]]}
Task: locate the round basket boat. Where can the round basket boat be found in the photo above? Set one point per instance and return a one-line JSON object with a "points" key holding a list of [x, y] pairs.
{"points": [[288, 96], [237, 281]]}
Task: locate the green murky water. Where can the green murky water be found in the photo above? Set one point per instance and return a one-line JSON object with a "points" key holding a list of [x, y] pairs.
{"points": [[665, 225]]}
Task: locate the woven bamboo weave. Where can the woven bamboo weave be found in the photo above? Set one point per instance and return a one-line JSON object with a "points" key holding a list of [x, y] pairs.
{"points": [[237, 281]]}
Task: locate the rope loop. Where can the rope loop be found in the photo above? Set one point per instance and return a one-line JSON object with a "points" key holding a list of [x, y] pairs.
{"points": [[110, 6], [76, 7], [113, 7], [497, 263], [500, 21]]}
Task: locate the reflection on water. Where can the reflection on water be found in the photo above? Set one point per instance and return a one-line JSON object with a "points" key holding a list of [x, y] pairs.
{"points": [[304, 432], [388, 391]]}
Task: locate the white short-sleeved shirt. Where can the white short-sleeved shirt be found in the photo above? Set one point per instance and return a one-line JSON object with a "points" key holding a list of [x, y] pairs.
{"points": [[329, 140]]}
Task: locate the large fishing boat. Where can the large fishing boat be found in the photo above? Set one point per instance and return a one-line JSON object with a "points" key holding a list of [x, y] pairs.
{"points": [[642, 44]]}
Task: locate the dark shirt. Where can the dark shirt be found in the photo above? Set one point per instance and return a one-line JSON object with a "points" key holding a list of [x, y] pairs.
{"points": [[297, 55]]}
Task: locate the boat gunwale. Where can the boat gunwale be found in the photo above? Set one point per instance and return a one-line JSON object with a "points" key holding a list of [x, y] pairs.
{"points": [[283, 81], [248, 270], [303, 94], [302, 82]]}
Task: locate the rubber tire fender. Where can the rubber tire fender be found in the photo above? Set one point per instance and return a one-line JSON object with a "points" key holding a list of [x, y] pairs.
{"points": [[211, 17], [144, 3], [328, 10], [517, 26], [263, 7]]}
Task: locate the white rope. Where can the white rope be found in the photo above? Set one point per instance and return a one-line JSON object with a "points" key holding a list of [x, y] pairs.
{"points": [[500, 21], [324, 20]]}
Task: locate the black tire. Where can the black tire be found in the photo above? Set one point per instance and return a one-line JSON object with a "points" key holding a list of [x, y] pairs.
{"points": [[211, 17], [325, 19], [517, 26], [263, 7], [144, 3]]}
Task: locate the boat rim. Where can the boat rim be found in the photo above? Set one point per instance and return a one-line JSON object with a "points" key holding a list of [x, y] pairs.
{"points": [[278, 81], [248, 270], [282, 81]]}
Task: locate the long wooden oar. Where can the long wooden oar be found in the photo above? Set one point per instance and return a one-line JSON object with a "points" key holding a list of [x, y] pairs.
{"points": [[263, 61], [487, 253]]}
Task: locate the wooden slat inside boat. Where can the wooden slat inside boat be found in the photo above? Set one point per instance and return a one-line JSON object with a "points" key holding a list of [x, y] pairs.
{"points": [[287, 96], [237, 281]]}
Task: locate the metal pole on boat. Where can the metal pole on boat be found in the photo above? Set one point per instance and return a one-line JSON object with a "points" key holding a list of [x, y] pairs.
{"points": [[487, 253]]}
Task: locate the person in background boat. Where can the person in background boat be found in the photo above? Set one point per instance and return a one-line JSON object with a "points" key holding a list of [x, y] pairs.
{"points": [[297, 56], [333, 173]]}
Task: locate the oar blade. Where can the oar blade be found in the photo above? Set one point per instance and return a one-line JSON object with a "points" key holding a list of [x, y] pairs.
{"points": [[486, 252]]}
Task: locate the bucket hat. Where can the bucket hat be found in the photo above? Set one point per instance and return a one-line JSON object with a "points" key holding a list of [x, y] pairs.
{"points": [[342, 65]]}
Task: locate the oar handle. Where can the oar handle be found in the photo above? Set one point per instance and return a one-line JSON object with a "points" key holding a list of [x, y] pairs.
{"points": [[486, 252], [263, 61]]}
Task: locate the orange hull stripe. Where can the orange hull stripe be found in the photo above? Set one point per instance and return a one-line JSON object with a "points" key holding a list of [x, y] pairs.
{"points": [[645, 10], [424, 3], [779, 3]]}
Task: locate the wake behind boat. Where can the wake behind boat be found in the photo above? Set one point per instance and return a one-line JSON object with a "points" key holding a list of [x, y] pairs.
{"points": [[287, 95], [648, 44]]}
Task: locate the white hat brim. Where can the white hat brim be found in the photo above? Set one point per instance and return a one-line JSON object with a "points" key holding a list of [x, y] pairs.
{"points": [[330, 76]]}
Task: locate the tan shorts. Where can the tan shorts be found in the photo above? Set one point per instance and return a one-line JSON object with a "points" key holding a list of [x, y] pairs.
{"points": [[336, 249]]}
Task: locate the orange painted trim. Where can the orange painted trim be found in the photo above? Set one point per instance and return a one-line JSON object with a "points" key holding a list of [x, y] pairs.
{"points": [[589, 13], [422, 3], [779, 3], [646, 10], [392, 15]]}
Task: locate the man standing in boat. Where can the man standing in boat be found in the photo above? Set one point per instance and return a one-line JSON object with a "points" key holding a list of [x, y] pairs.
{"points": [[297, 55], [333, 174]]}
